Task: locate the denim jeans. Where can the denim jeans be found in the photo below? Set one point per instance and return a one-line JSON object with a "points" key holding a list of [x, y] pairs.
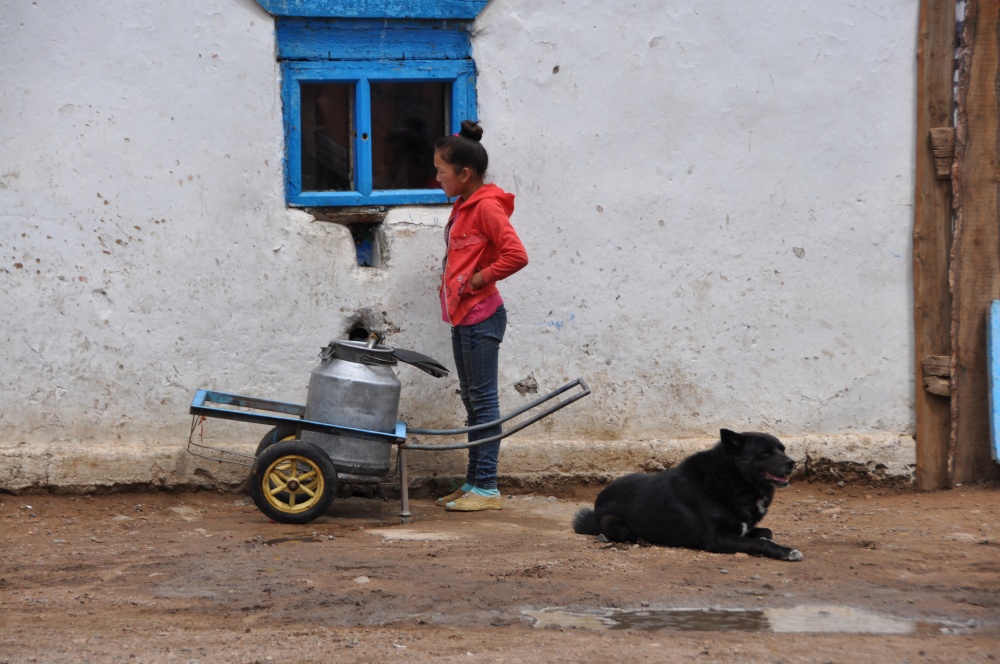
{"points": [[477, 360]]}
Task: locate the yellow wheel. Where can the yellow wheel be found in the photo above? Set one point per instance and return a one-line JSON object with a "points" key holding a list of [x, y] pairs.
{"points": [[293, 482]]}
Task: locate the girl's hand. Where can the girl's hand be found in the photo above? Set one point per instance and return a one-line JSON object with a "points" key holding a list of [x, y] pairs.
{"points": [[477, 282]]}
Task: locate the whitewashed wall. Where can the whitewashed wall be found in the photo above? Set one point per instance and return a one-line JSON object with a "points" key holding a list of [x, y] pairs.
{"points": [[715, 196]]}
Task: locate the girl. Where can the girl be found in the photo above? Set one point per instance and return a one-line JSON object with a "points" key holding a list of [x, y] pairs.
{"points": [[482, 249]]}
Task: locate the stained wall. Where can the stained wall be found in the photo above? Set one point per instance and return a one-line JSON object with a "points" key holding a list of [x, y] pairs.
{"points": [[716, 199]]}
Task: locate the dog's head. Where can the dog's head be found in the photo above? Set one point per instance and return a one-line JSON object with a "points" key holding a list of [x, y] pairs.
{"points": [[760, 457]]}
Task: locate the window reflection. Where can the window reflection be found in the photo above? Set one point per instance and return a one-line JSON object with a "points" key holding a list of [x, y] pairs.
{"points": [[406, 120], [327, 157]]}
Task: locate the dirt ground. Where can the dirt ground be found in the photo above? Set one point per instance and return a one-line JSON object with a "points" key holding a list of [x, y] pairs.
{"points": [[190, 577]]}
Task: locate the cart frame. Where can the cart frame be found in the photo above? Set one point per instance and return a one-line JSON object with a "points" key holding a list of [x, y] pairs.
{"points": [[223, 405]]}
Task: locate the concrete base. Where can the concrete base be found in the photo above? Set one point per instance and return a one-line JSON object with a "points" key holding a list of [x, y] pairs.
{"points": [[524, 463]]}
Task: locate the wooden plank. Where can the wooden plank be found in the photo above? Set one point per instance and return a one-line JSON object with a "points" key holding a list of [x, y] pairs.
{"points": [[937, 374], [937, 385], [369, 39], [937, 365], [932, 236], [975, 261], [993, 359], [943, 144], [447, 9]]}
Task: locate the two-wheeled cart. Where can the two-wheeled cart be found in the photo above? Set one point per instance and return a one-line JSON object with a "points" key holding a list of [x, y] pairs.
{"points": [[345, 432]]}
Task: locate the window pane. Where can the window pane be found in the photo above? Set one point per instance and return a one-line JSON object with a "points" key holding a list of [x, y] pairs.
{"points": [[406, 120], [327, 148]]}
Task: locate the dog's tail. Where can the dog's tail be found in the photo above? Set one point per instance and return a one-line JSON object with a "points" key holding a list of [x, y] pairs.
{"points": [[585, 522]]}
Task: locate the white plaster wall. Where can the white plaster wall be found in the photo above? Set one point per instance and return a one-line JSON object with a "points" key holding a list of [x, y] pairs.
{"points": [[716, 199], [717, 196]]}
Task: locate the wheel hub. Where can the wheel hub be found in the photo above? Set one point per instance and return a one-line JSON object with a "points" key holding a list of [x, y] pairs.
{"points": [[293, 482]]}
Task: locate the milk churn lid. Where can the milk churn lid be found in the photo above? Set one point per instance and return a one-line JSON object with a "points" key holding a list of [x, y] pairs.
{"points": [[358, 352]]}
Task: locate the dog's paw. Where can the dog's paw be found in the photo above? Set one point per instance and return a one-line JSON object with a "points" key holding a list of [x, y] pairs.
{"points": [[794, 555], [603, 538]]}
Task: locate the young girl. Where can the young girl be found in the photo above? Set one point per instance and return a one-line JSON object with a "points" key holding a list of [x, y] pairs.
{"points": [[482, 249]]}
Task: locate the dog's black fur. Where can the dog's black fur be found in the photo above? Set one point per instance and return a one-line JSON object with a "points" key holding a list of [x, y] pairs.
{"points": [[711, 501]]}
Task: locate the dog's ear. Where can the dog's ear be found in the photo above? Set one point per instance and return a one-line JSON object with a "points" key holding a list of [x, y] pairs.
{"points": [[732, 442]]}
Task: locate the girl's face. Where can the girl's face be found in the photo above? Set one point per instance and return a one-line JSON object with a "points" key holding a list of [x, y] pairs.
{"points": [[454, 184]]}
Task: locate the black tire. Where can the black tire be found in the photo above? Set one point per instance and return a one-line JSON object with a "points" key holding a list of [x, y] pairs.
{"points": [[279, 433], [294, 482]]}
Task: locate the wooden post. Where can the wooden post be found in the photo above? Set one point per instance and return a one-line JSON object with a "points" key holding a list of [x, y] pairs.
{"points": [[975, 264], [932, 236]]}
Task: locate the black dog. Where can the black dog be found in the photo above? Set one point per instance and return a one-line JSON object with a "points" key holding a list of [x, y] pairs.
{"points": [[712, 501]]}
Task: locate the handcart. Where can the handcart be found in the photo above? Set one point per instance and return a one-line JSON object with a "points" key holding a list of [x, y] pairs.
{"points": [[299, 462]]}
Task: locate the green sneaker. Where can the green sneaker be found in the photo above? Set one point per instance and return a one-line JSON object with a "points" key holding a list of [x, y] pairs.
{"points": [[454, 495], [472, 502]]}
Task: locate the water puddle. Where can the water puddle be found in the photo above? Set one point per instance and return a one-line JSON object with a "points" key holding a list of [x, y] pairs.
{"points": [[408, 535], [800, 619], [286, 540]]}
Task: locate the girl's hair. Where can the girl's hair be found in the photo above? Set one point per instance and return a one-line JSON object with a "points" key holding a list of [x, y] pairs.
{"points": [[464, 149]]}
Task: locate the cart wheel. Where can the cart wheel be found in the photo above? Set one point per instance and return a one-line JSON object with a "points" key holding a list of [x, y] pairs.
{"points": [[294, 482], [278, 434]]}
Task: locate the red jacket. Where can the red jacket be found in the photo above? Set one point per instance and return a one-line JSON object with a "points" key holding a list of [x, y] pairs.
{"points": [[480, 239]]}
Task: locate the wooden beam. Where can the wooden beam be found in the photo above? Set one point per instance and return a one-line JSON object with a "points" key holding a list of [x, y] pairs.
{"points": [[932, 236], [943, 145], [975, 264], [466, 10], [937, 374]]}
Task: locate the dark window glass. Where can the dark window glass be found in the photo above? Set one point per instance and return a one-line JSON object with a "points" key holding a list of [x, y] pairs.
{"points": [[406, 120], [327, 156]]}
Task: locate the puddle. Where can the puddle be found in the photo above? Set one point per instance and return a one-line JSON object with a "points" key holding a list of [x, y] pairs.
{"points": [[286, 540], [801, 620], [412, 535]]}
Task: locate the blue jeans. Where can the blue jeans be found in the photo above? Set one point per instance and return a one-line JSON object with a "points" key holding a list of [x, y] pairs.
{"points": [[477, 360]]}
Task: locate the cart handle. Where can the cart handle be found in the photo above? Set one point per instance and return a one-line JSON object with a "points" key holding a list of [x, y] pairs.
{"points": [[579, 382]]}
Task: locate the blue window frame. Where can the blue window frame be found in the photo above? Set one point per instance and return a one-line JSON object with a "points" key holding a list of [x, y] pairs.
{"points": [[457, 79], [352, 75]]}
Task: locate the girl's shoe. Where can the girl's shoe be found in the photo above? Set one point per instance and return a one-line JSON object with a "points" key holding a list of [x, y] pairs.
{"points": [[472, 502], [453, 496]]}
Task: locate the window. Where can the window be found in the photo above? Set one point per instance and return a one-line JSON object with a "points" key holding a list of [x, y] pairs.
{"points": [[405, 119], [364, 100], [363, 134]]}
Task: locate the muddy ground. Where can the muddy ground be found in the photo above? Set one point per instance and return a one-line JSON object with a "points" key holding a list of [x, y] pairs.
{"points": [[188, 577]]}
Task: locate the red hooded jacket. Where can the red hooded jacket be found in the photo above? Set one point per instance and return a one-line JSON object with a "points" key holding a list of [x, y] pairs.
{"points": [[480, 239]]}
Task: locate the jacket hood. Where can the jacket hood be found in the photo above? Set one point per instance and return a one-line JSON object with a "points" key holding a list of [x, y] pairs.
{"points": [[492, 191]]}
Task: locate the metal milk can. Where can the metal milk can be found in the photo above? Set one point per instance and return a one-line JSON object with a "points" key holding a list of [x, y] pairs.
{"points": [[354, 386]]}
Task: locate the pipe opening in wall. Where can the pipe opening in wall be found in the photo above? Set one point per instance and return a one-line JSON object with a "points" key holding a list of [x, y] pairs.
{"points": [[362, 323], [366, 244], [365, 225], [358, 333]]}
